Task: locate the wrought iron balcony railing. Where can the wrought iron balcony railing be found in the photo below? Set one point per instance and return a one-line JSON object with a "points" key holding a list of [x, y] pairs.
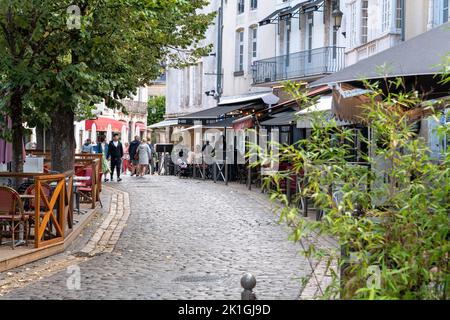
{"points": [[298, 65]]}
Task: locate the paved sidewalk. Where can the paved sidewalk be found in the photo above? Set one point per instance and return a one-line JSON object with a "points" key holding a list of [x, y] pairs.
{"points": [[182, 239]]}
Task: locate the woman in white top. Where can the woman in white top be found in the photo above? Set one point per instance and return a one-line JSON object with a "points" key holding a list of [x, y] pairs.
{"points": [[145, 155]]}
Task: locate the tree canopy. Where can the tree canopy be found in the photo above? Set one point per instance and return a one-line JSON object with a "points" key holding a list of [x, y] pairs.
{"points": [[156, 110], [51, 69]]}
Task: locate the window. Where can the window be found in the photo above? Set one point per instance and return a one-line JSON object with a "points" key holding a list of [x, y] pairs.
{"points": [[288, 40], [253, 4], [198, 90], [185, 88], [239, 51], [440, 12], [445, 11], [353, 25], [386, 14], [310, 35], [398, 14], [241, 6], [364, 20], [254, 42], [285, 134]]}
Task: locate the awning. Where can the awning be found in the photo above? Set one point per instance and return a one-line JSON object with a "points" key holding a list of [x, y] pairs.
{"points": [[212, 113], [324, 104], [312, 92], [304, 6], [243, 123], [428, 108], [229, 105], [102, 123], [141, 126], [311, 6], [197, 126], [265, 97], [348, 103], [281, 119], [420, 55], [165, 123], [274, 16], [227, 123]]}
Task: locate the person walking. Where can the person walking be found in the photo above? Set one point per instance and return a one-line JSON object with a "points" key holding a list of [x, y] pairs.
{"points": [[115, 153], [150, 163], [126, 158], [134, 155], [144, 157], [102, 147]]}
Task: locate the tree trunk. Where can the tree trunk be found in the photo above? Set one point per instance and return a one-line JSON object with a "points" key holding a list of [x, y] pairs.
{"points": [[62, 139], [17, 131]]}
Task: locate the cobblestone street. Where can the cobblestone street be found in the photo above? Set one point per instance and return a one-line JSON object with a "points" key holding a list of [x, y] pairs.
{"points": [[184, 239]]}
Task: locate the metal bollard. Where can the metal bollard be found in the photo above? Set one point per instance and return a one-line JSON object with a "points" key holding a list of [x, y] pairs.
{"points": [[248, 282]]}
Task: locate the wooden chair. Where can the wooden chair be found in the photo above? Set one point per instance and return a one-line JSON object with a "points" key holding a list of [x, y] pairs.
{"points": [[12, 212]]}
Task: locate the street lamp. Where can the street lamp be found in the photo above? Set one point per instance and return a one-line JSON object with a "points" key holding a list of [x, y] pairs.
{"points": [[337, 15]]}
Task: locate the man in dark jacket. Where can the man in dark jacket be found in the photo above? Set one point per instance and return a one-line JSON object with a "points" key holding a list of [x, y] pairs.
{"points": [[115, 153], [132, 150]]}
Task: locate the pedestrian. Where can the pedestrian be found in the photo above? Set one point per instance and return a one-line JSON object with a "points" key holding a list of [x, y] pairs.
{"points": [[126, 158], [150, 163], [208, 153], [134, 155], [115, 153], [144, 157], [102, 147], [87, 147]]}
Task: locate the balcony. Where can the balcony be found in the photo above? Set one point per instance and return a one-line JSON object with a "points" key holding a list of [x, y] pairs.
{"points": [[300, 65]]}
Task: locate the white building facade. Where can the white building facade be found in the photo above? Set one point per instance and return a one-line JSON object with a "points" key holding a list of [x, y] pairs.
{"points": [[109, 122], [371, 26], [185, 90], [265, 42]]}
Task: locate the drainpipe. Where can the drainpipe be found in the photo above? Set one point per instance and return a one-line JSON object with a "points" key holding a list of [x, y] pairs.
{"points": [[219, 53]]}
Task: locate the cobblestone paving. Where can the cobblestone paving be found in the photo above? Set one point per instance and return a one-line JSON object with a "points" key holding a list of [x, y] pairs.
{"points": [[186, 239]]}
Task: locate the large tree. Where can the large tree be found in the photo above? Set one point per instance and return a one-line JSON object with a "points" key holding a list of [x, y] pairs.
{"points": [[25, 31], [119, 46]]}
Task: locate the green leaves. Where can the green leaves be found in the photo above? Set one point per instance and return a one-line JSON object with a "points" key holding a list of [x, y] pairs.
{"points": [[156, 110], [392, 212]]}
